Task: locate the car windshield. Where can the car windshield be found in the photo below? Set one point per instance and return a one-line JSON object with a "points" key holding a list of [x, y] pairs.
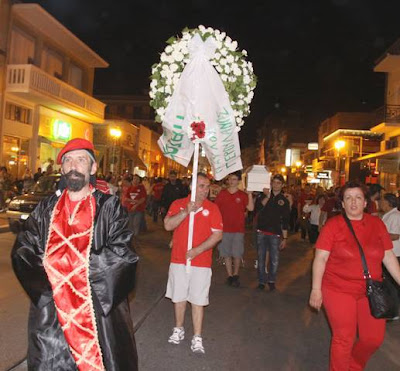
{"points": [[46, 184]]}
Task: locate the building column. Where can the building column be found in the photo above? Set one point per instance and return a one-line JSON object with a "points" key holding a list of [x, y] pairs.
{"points": [[34, 145]]}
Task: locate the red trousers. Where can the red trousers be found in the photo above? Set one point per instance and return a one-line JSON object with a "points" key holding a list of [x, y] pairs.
{"points": [[348, 313]]}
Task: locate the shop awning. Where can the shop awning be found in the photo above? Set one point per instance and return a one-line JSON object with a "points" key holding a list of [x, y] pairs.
{"points": [[137, 161], [392, 154]]}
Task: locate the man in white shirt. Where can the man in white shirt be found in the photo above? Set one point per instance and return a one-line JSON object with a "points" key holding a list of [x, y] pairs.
{"points": [[391, 218]]}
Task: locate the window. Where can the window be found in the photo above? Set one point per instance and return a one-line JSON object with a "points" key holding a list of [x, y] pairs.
{"points": [[22, 47], [52, 62], [75, 76], [15, 155], [18, 113]]}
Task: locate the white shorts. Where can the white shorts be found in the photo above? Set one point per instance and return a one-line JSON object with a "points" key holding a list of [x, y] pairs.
{"points": [[193, 287]]}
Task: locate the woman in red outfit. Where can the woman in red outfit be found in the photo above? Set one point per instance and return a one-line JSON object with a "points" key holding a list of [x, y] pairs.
{"points": [[339, 284]]}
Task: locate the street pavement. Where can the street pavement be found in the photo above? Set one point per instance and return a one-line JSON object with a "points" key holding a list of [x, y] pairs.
{"points": [[244, 329]]}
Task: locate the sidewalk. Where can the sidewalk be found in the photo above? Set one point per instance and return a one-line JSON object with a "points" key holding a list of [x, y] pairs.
{"points": [[4, 227]]}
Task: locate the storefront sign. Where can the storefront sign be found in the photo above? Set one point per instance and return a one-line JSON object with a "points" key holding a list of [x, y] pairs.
{"points": [[312, 146], [61, 130], [323, 175]]}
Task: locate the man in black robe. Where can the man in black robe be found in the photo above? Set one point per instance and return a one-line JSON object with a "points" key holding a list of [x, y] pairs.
{"points": [[110, 269]]}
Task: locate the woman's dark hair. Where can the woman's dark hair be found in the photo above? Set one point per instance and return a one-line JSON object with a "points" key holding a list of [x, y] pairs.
{"points": [[391, 199], [319, 197], [353, 184]]}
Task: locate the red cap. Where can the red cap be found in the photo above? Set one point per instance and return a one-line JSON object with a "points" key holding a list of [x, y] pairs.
{"points": [[73, 145]]}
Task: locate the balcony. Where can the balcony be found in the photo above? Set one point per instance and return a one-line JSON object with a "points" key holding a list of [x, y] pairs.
{"points": [[30, 82], [389, 113]]}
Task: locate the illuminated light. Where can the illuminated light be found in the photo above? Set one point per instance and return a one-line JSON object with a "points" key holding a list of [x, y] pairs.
{"points": [[312, 146], [298, 163], [14, 149], [158, 158], [283, 170], [288, 157], [61, 130], [115, 133], [339, 144], [11, 163]]}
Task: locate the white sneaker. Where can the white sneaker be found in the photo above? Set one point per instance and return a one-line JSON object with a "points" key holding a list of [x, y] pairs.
{"points": [[197, 345], [178, 334]]}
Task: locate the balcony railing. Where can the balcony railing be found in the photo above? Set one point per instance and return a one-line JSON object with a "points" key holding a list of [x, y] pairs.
{"points": [[26, 78], [388, 113]]}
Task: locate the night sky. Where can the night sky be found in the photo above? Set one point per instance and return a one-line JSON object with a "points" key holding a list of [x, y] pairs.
{"points": [[311, 57]]}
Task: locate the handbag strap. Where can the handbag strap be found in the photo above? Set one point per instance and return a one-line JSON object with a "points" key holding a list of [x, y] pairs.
{"points": [[364, 262]]}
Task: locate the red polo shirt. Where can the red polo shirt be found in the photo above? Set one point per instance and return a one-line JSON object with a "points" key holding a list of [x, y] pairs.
{"points": [[206, 221], [136, 193], [233, 207], [343, 270]]}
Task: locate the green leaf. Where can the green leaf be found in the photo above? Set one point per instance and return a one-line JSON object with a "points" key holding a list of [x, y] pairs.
{"points": [[171, 40]]}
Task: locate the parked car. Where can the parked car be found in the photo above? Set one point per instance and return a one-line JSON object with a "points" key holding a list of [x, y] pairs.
{"points": [[20, 207]]}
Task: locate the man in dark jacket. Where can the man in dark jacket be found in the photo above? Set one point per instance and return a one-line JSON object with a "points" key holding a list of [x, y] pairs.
{"points": [[171, 192], [74, 262], [272, 229]]}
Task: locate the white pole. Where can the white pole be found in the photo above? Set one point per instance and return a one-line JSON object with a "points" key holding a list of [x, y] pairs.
{"points": [[192, 199]]}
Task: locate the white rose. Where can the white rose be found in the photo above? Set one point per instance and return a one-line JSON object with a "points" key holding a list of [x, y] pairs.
{"points": [[237, 71], [222, 62], [178, 56], [170, 59], [250, 66], [163, 57], [164, 73], [202, 28], [240, 96], [218, 44], [168, 99], [219, 38], [153, 84], [217, 56], [251, 95], [224, 52], [246, 79], [224, 77], [169, 49], [244, 52], [173, 67], [223, 34], [228, 40], [175, 79], [232, 78], [227, 69], [186, 36], [167, 89], [219, 68], [165, 67], [217, 32], [240, 102], [234, 45], [152, 94], [161, 111], [210, 30], [230, 59]]}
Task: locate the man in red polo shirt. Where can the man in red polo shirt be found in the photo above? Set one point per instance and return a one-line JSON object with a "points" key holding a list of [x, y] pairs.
{"points": [[136, 196], [192, 286], [233, 204]]}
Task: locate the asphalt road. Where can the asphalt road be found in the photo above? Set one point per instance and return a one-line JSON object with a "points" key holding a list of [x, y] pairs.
{"points": [[244, 329]]}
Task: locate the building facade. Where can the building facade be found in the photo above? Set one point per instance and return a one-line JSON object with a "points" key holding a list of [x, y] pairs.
{"points": [[46, 81]]}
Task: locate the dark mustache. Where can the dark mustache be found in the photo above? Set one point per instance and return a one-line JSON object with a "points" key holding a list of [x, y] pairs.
{"points": [[76, 173]]}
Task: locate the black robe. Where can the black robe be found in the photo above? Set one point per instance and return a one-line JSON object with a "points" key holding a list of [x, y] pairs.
{"points": [[112, 269]]}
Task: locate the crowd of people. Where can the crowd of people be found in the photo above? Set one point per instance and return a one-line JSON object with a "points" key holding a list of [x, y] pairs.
{"points": [[76, 261]]}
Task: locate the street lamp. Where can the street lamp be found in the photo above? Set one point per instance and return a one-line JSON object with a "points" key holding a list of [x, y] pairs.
{"points": [[339, 144], [115, 134]]}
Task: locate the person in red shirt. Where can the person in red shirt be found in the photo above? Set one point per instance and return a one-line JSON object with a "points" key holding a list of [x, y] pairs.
{"points": [[192, 286], [338, 280], [156, 190], [135, 198], [233, 203]]}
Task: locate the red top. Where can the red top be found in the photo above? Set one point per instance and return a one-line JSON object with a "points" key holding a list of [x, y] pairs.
{"points": [[157, 191], [332, 207], [206, 221], [232, 207], [371, 207], [136, 193], [344, 271]]}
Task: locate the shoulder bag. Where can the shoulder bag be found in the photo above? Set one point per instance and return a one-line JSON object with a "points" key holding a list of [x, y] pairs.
{"points": [[382, 296]]}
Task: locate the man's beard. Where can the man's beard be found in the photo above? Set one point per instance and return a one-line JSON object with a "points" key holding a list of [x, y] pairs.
{"points": [[75, 184]]}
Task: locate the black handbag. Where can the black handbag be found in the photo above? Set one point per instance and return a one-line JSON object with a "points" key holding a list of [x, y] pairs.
{"points": [[382, 296]]}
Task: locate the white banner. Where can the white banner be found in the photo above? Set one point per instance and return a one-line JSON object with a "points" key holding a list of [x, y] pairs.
{"points": [[201, 95]]}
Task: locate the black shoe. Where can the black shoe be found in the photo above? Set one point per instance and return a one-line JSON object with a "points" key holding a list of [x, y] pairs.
{"points": [[235, 281], [260, 287], [271, 286], [229, 281]]}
